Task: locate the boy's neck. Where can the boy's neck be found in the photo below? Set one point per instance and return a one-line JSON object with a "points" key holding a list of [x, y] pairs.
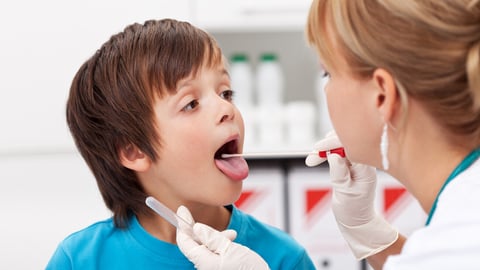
{"points": [[215, 217]]}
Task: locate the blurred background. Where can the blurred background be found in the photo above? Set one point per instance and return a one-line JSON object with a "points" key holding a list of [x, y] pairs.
{"points": [[46, 190]]}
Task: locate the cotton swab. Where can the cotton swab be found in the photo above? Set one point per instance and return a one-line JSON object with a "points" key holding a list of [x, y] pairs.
{"points": [[323, 154]]}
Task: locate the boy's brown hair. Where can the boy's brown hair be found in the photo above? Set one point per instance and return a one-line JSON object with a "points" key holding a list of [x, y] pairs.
{"points": [[110, 105]]}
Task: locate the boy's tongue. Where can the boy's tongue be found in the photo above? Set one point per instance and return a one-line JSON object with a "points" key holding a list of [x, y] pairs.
{"points": [[235, 168]]}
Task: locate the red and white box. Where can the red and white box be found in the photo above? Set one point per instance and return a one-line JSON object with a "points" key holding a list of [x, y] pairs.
{"points": [[263, 196], [397, 205], [312, 222]]}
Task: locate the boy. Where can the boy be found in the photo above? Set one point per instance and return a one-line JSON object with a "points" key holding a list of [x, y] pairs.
{"points": [[151, 112]]}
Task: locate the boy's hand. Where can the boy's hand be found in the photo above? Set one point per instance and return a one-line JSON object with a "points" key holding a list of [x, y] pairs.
{"points": [[216, 249]]}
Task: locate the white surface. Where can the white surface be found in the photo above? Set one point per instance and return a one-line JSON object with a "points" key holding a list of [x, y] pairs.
{"points": [[270, 124], [300, 123], [43, 43], [43, 199], [256, 15]]}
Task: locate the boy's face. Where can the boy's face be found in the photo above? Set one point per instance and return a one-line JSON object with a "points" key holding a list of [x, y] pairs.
{"points": [[194, 124]]}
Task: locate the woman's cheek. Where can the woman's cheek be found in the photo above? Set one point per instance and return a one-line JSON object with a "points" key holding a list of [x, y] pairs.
{"points": [[331, 105]]}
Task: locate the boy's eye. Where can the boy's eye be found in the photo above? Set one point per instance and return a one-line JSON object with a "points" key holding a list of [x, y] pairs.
{"points": [[227, 95], [190, 106], [325, 74]]}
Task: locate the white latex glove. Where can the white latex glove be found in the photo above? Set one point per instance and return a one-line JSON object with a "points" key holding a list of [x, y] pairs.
{"points": [[216, 250], [329, 142], [365, 231]]}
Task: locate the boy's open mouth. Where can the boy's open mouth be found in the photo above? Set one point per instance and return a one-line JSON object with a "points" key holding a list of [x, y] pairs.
{"points": [[228, 148], [235, 168]]}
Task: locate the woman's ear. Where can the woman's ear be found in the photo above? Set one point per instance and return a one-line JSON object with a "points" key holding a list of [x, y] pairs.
{"points": [[387, 96], [131, 157]]}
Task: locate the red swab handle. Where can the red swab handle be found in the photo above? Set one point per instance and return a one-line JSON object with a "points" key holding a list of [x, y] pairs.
{"points": [[339, 151]]}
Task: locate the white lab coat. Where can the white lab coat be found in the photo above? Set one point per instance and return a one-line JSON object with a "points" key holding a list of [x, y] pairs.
{"points": [[452, 240]]}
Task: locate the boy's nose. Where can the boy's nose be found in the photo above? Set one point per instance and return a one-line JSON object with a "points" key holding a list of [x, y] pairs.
{"points": [[227, 111]]}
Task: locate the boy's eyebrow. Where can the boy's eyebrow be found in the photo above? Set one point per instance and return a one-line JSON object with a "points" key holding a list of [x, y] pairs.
{"points": [[224, 71], [186, 81], [183, 82]]}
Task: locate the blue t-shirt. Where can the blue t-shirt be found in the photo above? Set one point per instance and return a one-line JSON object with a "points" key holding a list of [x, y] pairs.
{"points": [[104, 246]]}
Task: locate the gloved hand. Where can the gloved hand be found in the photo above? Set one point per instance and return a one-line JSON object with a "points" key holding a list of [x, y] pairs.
{"points": [[216, 249], [365, 231], [329, 142]]}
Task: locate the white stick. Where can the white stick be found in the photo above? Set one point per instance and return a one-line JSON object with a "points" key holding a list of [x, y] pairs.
{"points": [[170, 216], [270, 154]]}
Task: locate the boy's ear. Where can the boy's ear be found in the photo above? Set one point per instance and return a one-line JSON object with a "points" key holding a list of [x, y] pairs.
{"points": [[131, 157], [387, 96]]}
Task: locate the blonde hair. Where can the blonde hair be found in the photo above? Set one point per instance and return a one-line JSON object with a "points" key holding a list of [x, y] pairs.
{"points": [[431, 47]]}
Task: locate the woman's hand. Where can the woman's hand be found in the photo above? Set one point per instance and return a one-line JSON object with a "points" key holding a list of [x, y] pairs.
{"points": [[215, 250], [353, 185]]}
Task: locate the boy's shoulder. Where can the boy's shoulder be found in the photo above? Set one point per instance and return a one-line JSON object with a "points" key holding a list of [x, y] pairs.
{"points": [[263, 238], [88, 235], [248, 226]]}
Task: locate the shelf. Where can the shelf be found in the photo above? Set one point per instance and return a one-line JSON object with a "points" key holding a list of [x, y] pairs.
{"points": [[259, 15]]}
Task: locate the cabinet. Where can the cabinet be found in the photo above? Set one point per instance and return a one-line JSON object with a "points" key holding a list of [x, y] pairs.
{"points": [[304, 196], [251, 15], [300, 68]]}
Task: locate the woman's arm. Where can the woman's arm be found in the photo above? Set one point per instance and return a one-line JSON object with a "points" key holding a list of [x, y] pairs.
{"points": [[378, 260]]}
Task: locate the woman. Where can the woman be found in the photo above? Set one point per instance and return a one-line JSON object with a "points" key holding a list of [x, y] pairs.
{"points": [[404, 97]]}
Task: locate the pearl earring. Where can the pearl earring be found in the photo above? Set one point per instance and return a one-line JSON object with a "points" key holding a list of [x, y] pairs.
{"points": [[384, 147]]}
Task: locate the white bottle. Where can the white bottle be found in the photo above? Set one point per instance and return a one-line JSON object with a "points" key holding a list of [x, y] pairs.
{"points": [[300, 122], [241, 77], [270, 81], [324, 122]]}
